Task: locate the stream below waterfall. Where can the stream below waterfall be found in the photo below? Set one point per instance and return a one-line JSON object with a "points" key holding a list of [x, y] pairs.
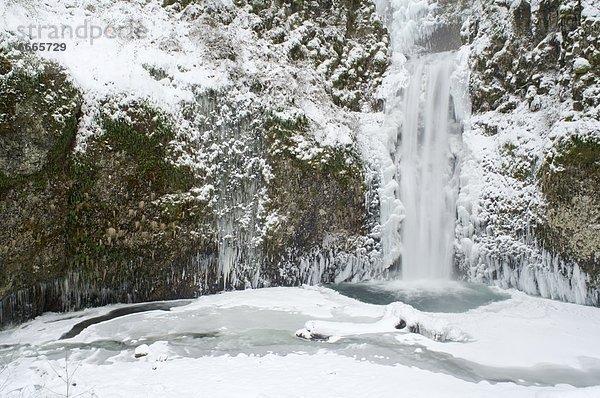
{"points": [[262, 324]]}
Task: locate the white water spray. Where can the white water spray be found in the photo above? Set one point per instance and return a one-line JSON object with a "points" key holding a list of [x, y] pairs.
{"points": [[422, 130], [427, 187]]}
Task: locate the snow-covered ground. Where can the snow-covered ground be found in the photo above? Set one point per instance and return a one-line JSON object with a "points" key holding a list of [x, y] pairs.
{"points": [[244, 344]]}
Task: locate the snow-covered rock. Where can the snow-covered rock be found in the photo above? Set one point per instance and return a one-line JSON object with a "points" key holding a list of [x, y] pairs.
{"points": [[213, 148], [397, 318], [581, 66], [141, 351], [527, 204]]}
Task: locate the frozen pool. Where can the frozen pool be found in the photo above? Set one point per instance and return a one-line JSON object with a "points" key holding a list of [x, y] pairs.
{"points": [[223, 333], [430, 296]]}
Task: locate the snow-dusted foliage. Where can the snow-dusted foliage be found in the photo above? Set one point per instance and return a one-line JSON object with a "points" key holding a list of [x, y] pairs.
{"points": [[528, 208], [215, 148]]}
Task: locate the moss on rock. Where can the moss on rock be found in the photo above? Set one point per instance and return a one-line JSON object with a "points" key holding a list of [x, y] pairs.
{"points": [[319, 191], [130, 218], [570, 182], [39, 111], [117, 221]]}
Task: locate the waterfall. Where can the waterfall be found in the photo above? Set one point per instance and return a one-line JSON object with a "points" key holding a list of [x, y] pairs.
{"points": [[426, 169], [425, 102]]}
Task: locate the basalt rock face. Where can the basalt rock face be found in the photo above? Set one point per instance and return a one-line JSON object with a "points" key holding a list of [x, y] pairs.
{"points": [[571, 187], [118, 198], [75, 228], [533, 49], [343, 39], [528, 218], [39, 110]]}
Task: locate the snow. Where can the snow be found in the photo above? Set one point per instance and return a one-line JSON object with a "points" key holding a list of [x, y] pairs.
{"points": [[581, 65], [543, 332], [141, 351], [590, 10], [245, 346], [294, 375], [432, 327], [181, 46], [489, 193]]}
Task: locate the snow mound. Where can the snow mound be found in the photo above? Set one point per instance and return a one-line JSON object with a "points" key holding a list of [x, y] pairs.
{"points": [[141, 350], [398, 318]]}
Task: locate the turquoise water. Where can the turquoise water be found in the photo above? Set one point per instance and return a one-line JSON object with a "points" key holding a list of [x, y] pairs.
{"points": [[197, 331], [425, 296]]}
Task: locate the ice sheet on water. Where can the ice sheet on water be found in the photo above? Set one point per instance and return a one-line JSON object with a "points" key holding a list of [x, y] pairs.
{"points": [[255, 339]]}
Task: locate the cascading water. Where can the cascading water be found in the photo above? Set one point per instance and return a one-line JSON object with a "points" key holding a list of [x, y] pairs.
{"points": [[427, 183], [425, 103]]}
